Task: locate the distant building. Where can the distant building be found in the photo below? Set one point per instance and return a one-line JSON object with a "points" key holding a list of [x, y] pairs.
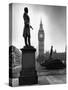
{"points": [[51, 52], [41, 39], [56, 55], [61, 56]]}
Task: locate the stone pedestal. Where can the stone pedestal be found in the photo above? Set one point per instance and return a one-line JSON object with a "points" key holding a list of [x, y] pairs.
{"points": [[28, 74]]}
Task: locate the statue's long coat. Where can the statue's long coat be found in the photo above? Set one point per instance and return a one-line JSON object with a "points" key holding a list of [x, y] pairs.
{"points": [[26, 31]]}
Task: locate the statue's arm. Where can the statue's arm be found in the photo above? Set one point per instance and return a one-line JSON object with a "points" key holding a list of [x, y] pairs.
{"points": [[27, 20], [31, 27]]}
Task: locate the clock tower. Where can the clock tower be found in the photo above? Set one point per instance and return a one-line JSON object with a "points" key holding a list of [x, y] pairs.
{"points": [[41, 39]]}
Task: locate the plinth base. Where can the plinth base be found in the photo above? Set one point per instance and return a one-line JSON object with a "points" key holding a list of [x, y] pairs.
{"points": [[28, 78]]}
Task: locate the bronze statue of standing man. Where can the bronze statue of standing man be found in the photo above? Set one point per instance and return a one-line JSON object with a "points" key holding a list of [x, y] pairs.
{"points": [[27, 26]]}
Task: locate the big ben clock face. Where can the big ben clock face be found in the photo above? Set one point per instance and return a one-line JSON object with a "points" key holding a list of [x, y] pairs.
{"points": [[41, 35]]}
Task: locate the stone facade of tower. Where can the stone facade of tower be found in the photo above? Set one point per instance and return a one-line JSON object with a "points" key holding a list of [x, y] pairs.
{"points": [[41, 39]]}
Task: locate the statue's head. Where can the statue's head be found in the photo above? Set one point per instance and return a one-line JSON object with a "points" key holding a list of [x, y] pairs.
{"points": [[26, 10]]}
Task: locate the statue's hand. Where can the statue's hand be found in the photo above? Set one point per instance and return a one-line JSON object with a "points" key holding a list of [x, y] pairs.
{"points": [[31, 27]]}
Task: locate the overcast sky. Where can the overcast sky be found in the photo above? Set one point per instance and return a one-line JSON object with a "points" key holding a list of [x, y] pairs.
{"points": [[54, 25]]}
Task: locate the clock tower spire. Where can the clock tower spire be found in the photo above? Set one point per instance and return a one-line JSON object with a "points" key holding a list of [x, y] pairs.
{"points": [[41, 39], [41, 25]]}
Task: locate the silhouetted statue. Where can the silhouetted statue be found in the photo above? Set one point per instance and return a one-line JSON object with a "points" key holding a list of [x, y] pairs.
{"points": [[51, 52], [27, 26]]}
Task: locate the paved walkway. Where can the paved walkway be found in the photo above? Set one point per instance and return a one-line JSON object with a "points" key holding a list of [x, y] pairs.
{"points": [[44, 80], [56, 80], [50, 77], [46, 77]]}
